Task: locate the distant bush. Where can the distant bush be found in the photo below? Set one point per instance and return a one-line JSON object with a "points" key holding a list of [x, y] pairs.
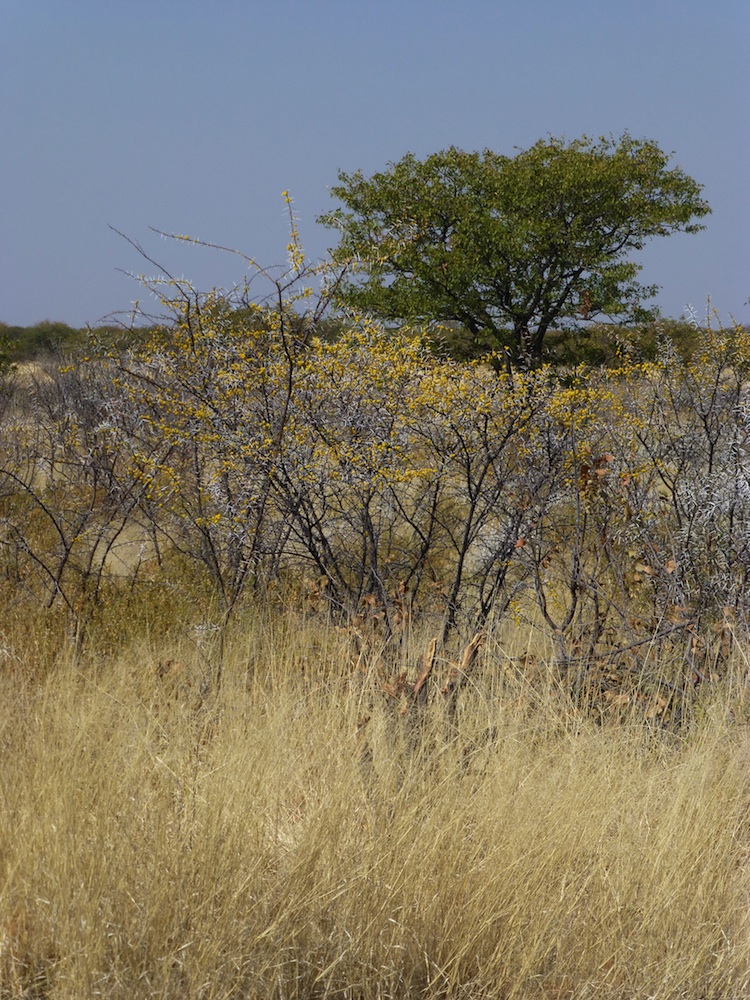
{"points": [[595, 344], [605, 344], [23, 343], [48, 338]]}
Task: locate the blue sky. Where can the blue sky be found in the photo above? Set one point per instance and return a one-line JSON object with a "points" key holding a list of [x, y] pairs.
{"points": [[193, 117]]}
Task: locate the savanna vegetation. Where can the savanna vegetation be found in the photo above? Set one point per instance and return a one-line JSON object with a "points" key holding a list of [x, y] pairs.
{"points": [[21, 344], [333, 665]]}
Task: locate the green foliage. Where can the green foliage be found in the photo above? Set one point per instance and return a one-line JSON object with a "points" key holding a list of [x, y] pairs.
{"points": [[24, 343], [607, 344], [507, 247], [31, 343]]}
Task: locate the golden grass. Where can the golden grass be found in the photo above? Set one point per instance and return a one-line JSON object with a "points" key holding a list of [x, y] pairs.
{"points": [[264, 842]]}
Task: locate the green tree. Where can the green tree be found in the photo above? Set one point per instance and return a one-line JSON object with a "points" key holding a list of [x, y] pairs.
{"points": [[507, 247]]}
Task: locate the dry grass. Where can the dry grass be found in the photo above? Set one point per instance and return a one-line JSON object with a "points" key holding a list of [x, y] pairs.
{"points": [[265, 843]]}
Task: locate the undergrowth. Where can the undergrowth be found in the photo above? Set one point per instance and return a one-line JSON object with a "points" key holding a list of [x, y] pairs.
{"points": [[308, 831]]}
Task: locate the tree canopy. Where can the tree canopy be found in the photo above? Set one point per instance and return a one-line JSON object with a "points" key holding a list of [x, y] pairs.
{"points": [[509, 247]]}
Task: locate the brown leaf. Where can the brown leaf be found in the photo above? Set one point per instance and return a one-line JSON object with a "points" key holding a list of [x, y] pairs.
{"points": [[617, 700]]}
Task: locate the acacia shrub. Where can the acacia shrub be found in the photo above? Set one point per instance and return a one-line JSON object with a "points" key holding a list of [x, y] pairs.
{"points": [[70, 494], [603, 508]]}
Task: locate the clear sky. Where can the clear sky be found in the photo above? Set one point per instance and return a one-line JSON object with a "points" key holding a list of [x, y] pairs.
{"points": [[193, 116]]}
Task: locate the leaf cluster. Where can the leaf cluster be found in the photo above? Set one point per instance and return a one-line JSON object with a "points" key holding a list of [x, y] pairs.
{"points": [[505, 246]]}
